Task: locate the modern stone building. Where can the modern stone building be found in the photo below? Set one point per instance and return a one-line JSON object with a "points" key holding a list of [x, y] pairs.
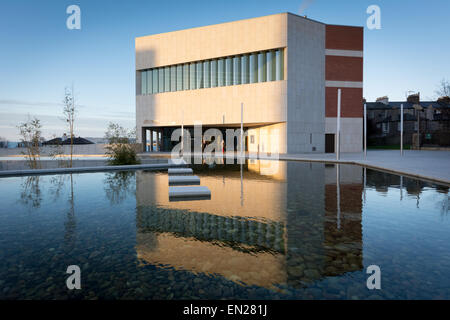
{"points": [[285, 69]]}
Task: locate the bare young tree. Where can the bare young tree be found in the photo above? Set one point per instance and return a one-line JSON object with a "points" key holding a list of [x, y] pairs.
{"points": [[69, 116], [30, 136], [443, 88]]}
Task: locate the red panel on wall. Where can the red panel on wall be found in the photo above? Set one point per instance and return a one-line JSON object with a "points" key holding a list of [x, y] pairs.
{"points": [[343, 68], [351, 102], [344, 37]]}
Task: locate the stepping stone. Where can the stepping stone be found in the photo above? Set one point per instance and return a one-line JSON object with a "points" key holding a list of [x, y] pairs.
{"points": [[189, 193], [179, 171], [183, 180], [177, 161]]}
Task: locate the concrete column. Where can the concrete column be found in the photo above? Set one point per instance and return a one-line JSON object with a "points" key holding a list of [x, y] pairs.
{"points": [[151, 140], [144, 138], [158, 141]]}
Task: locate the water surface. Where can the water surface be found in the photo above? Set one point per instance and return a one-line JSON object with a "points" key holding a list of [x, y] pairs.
{"points": [[272, 230]]}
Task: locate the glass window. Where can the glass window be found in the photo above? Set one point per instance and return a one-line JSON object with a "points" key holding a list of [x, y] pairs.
{"points": [[244, 69], [143, 82], [186, 76], [199, 66], [173, 78], [206, 74], [279, 65], [179, 77], [192, 81], [161, 80], [213, 73], [155, 80], [237, 70], [261, 67], [221, 72], [149, 82], [253, 68], [270, 65], [166, 79], [228, 71]]}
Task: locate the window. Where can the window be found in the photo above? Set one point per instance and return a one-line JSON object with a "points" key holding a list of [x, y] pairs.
{"points": [[155, 80], [279, 64], [244, 69], [199, 75], [213, 73], [228, 71], [270, 64], [253, 68], [385, 127], [186, 76], [261, 67], [192, 76], [144, 82], [236, 70], [179, 77], [206, 74], [173, 78], [166, 79], [233, 70], [149, 81], [221, 72], [161, 80]]}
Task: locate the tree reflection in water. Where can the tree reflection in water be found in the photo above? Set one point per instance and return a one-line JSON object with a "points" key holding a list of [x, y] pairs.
{"points": [[70, 223], [31, 195], [119, 185]]}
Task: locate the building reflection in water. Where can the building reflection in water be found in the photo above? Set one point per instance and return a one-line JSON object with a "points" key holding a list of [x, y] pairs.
{"points": [[284, 228]]}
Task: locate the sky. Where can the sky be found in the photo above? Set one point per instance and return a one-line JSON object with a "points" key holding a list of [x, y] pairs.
{"points": [[40, 56]]}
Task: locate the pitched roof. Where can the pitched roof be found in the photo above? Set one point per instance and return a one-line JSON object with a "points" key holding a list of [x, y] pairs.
{"points": [[406, 105]]}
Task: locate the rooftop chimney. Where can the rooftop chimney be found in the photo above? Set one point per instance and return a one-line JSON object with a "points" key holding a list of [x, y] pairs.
{"points": [[383, 100], [414, 98]]}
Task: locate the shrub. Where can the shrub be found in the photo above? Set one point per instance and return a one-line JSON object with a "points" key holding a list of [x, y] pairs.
{"points": [[120, 149]]}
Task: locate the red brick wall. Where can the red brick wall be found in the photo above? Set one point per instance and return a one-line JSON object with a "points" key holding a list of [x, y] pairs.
{"points": [[351, 102], [344, 37], [341, 68]]}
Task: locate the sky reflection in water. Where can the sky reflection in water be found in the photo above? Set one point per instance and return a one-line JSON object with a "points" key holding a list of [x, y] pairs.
{"points": [[292, 234]]}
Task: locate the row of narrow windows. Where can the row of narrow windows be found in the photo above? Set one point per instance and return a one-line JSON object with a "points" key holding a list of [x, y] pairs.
{"points": [[240, 69]]}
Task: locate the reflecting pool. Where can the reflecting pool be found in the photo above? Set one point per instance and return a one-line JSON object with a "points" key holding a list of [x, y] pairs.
{"points": [[271, 230]]}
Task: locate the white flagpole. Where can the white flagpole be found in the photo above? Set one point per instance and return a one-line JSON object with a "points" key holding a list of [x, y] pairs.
{"points": [[401, 129], [242, 129], [338, 128], [365, 131], [338, 197], [182, 132]]}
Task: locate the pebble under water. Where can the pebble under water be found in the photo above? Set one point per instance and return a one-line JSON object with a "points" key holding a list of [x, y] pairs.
{"points": [[297, 231]]}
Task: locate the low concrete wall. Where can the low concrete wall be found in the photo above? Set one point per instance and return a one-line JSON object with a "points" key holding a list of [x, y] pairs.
{"points": [[77, 163], [85, 149]]}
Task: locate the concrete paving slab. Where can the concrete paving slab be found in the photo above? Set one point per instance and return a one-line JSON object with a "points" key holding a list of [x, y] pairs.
{"points": [[183, 180], [189, 193], [180, 171]]}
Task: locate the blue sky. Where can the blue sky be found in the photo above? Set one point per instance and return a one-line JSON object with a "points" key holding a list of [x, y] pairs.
{"points": [[39, 56]]}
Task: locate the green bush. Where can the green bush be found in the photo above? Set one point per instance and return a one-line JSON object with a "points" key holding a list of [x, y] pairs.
{"points": [[120, 149], [122, 154]]}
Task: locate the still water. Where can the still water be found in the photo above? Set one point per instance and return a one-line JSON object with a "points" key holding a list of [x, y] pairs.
{"points": [[271, 230]]}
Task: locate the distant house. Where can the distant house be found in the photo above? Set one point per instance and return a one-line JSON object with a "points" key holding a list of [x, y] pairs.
{"points": [[430, 118], [60, 141]]}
